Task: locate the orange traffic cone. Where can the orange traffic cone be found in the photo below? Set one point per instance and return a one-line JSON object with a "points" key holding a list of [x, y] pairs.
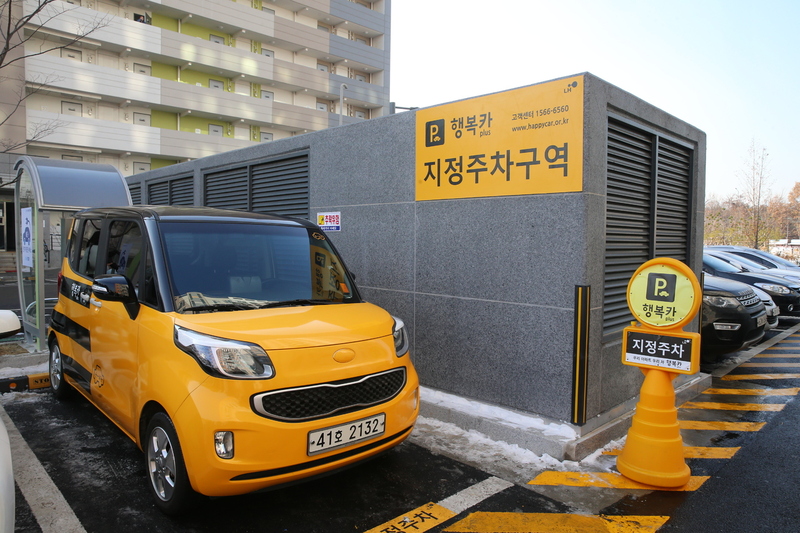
{"points": [[653, 452]]}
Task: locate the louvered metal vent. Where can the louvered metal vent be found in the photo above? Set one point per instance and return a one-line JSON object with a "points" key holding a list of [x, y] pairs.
{"points": [[227, 189], [647, 210], [136, 194]]}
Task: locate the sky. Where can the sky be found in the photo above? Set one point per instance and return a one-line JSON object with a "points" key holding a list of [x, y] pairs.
{"points": [[730, 68]]}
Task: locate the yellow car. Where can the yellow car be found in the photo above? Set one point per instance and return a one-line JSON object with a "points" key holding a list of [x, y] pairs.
{"points": [[232, 347]]}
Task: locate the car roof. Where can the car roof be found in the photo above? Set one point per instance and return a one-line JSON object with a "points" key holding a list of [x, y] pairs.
{"points": [[192, 214]]}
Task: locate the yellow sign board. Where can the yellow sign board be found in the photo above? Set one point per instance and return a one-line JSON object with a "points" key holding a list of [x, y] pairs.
{"points": [[518, 142], [664, 293]]}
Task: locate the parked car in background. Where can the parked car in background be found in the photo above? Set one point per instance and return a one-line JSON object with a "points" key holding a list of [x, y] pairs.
{"points": [[747, 265], [759, 256], [733, 317], [785, 293], [769, 306]]}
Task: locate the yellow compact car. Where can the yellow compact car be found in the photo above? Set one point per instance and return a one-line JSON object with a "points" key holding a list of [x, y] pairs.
{"points": [[232, 347]]}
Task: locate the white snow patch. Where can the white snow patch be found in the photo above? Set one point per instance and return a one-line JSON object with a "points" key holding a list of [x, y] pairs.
{"points": [[10, 372], [498, 414]]}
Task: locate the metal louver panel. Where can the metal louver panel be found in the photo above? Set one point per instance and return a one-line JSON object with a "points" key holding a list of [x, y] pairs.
{"points": [[648, 210], [673, 201], [182, 191], [628, 218], [281, 187], [227, 189], [158, 193], [136, 194]]}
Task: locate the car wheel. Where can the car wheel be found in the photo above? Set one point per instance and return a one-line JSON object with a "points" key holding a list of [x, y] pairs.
{"points": [[56, 366], [169, 482]]}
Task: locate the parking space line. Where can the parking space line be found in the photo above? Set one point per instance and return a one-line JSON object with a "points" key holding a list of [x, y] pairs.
{"points": [[734, 406], [48, 505], [721, 426], [767, 365], [487, 522], [430, 515], [696, 452], [742, 377], [755, 392], [607, 480]]}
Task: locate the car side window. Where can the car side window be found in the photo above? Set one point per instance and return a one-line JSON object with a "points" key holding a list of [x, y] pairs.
{"points": [[124, 255], [87, 251], [149, 292]]}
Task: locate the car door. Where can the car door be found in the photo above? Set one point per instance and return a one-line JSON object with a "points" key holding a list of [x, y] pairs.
{"points": [[76, 316], [114, 332]]}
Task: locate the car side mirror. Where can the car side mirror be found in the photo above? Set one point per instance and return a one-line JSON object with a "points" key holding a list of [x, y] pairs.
{"points": [[116, 288]]}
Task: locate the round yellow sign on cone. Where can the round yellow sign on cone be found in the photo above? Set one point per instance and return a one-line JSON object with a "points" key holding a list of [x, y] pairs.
{"points": [[664, 292]]}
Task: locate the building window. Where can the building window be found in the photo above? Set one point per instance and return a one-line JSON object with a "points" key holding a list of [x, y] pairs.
{"points": [[266, 137], [144, 18], [215, 130], [141, 119], [69, 53], [216, 39], [324, 67], [71, 108], [267, 53], [323, 106], [142, 69], [139, 167], [359, 76], [72, 157], [216, 84], [267, 95], [360, 113]]}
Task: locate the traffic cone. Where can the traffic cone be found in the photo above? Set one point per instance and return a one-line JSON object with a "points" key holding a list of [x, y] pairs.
{"points": [[653, 451]]}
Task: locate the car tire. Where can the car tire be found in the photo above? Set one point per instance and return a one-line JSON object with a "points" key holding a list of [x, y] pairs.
{"points": [[166, 470], [60, 389]]}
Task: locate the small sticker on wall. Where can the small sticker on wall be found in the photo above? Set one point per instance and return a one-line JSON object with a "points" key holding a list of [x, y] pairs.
{"points": [[330, 221]]}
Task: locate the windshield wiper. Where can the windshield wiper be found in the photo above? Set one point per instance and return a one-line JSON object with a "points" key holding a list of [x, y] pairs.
{"points": [[288, 303], [219, 307]]}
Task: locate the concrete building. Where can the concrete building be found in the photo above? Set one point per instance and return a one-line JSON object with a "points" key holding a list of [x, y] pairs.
{"points": [[159, 82], [503, 229], [163, 81]]}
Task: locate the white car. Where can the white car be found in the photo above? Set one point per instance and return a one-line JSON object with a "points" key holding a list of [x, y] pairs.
{"points": [[772, 310]]}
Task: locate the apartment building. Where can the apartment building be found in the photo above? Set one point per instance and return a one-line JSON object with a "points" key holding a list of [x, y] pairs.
{"points": [[165, 81]]}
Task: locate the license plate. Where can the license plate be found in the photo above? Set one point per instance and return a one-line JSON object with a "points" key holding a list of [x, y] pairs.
{"points": [[761, 320], [323, 440]]}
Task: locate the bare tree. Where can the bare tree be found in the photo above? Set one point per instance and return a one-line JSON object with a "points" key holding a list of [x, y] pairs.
{"points": [[18, 25], [754, 180]]}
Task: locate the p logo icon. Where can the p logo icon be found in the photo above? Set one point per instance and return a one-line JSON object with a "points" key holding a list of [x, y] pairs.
{"points": [[434, 133], [661, 287]]}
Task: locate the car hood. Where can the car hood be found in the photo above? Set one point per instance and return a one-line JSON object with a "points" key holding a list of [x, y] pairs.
{"points": [[294, 327], [715, 283], [752, 278]]}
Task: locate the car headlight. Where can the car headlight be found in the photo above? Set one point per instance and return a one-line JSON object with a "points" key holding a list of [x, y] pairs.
{"points": [[771, 287], [400, 337], [223, 357], [722, 301]]}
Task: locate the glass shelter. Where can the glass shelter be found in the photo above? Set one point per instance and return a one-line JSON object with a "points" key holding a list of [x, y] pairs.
{"points": [[47, 192]]}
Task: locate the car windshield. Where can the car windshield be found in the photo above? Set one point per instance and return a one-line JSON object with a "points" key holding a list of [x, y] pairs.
{"points": [[217, 266], [719, 265], [739, 262]]}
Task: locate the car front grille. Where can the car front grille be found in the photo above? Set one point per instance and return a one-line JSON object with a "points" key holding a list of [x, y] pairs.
{"points": [[327, 399], [748, 298]]}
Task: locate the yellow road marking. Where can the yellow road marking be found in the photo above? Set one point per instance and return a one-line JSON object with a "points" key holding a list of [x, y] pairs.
{"points": [[734, 406], [756, 392], [696, 452], [721, 426], [483, 522], [422, 518], [734, 377], [608, 480], [767, 365], [778, 355]]}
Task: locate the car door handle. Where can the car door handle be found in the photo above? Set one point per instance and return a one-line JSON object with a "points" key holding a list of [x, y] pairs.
{"points": [[95, 302]]}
